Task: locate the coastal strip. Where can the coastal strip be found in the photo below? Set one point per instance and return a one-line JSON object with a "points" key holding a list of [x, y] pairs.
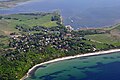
{"points": [[69, 57], [12, 3]]}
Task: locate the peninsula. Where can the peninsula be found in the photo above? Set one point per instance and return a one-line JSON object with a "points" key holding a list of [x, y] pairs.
{"points": [[10, 3], [28, 39]]}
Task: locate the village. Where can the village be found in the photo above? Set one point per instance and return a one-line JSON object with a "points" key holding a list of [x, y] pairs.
{"points": [[61, 38]]}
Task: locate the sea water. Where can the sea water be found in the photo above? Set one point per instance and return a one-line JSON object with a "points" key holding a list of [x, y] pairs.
{"points": [[102, 67], [77, 13]]}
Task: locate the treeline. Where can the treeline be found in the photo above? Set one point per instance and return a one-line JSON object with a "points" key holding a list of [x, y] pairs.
{"points": [[14, 65]]}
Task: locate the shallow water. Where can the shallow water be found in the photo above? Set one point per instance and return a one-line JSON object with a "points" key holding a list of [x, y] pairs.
{"points": [[83, 13], [102, 67]]}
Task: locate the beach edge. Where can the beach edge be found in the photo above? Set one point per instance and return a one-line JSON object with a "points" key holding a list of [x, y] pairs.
{"points": [[69, 57]]}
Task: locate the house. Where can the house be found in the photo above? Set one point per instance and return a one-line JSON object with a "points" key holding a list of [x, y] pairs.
{"points": [[69, 28]]}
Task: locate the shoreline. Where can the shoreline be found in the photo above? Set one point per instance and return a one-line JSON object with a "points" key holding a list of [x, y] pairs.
{"points": [[11, 4], [69, 57]]}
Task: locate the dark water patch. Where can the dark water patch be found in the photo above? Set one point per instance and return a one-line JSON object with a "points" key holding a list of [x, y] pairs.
{"points": [[118, 56], [47, 77], [110, 71], [105, 57], [52, 75], [83, 68], [85, 61], [91, 67], [58, 72], [72, 77], [112, 58], [74, 67], [99, 64]]}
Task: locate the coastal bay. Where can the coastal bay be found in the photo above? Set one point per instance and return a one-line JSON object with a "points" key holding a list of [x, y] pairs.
{"points": [[34, 68], [81, 68]]}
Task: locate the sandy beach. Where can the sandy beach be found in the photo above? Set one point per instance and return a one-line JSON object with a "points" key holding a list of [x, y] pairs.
{"points": [[70, 57]]}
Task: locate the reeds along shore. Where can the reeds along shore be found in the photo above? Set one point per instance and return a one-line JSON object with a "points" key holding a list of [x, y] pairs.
{"points": [[69, 57]]}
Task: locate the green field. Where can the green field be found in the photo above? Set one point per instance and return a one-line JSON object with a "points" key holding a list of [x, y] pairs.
{"points": [[9, 22], [112, 37], [98, 46]]}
